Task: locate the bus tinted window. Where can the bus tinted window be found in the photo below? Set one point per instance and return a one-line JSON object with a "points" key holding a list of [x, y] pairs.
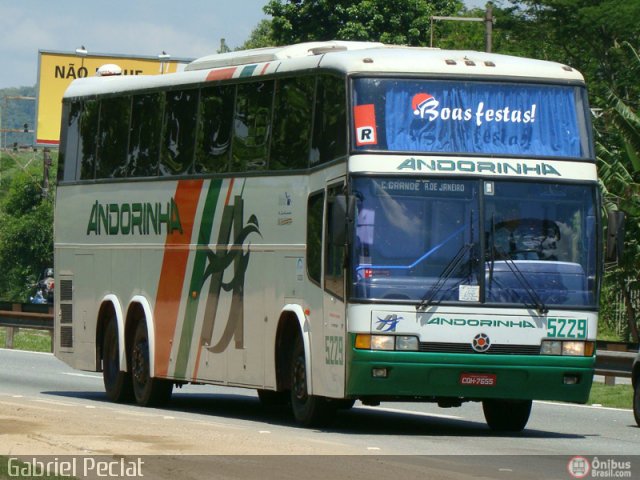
{"points": [[334, 255], [178, 143], [214, 132], [315, 208], [292, 120], [329, 131], [88, 132], [68, 159], [115, 114], [144, 143], [251, 126]]}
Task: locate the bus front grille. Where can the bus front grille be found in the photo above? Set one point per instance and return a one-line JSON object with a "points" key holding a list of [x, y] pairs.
{"points": [[495, 349]]}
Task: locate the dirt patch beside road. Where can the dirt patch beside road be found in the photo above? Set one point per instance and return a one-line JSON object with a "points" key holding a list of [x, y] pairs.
{"points": [[35, 426]]}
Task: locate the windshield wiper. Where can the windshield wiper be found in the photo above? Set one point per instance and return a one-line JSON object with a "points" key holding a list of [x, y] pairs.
{"points": [[449, 270], [537, 302]]}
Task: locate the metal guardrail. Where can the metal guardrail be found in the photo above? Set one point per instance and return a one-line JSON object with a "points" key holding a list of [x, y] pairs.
{"points": [[14, 316], [615, 359], [617, 364]]}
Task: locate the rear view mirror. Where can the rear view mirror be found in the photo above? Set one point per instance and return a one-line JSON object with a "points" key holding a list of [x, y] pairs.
{"points": [[341, 210], [615, 236]]}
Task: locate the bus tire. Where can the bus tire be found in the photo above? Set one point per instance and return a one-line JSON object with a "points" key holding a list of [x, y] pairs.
{"points": [[117, 384], [506, 415], [308, 410], [148, 392]]}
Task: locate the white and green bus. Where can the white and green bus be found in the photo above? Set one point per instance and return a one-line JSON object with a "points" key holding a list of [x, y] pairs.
{"points": [[331, 222]]}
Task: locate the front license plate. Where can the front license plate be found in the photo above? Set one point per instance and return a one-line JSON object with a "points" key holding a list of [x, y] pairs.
{"points": [[478, 379]]}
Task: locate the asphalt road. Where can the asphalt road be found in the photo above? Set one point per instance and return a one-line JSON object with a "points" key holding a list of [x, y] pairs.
{"points": [[397, 440]]}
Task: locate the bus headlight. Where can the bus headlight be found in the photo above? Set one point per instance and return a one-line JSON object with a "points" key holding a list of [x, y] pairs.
{"points": [[402, 343], [382, 342], [568, 348], [407, 343]]}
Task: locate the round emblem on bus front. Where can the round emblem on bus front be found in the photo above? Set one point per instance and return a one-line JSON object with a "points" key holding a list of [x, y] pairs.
{"points": [[481, 343]]}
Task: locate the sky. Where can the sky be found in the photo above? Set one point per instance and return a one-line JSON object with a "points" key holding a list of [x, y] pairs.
{"points": [[182, 28]]}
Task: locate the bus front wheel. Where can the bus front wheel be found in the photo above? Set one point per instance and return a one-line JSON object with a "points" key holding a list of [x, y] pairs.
{"points": [[506, 415], [149, 392], [308, 410], [117, 384]]}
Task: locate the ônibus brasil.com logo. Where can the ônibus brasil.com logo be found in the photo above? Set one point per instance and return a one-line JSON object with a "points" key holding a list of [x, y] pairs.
{"points": [[427, 107], [581, 467]]}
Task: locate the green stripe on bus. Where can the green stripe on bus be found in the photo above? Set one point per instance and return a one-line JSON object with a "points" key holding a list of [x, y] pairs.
{"points": [[248, 71], [197, 276]]}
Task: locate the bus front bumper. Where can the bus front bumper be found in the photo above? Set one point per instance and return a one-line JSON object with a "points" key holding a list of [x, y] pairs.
{"points": [[417, 375]]}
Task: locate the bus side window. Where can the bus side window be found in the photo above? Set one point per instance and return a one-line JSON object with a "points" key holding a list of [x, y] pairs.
{"points": [[292, 123], [334, 254], [144, 140], [115, 114], [214, 129], [180, 115], [88, 135], [315, 207], [69, 139], [330, 121], [251, 126]]}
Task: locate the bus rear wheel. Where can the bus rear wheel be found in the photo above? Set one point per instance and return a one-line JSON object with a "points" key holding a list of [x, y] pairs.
{"points": [[506, 415], [149, 392], [117, 384], [308, 410]]}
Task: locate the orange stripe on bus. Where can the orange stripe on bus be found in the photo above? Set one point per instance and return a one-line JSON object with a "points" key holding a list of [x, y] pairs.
{"points": [[221, 74], [174, 265], [229, 192]]}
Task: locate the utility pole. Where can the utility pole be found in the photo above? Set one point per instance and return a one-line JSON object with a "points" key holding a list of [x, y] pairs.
{"points": [[488, 20], [46, 156], [488, 27]]}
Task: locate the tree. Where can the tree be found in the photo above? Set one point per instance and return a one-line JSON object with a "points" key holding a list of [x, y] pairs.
{"points": [[261, 36], [399, 22], [583, 34], [26, 237], [619, 170]]}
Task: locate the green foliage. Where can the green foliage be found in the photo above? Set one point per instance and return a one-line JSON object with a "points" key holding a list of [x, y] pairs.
{"points": [[261, 36], [612, 396], [26, 230], [28, 339], [584, 34], [399, 22]]}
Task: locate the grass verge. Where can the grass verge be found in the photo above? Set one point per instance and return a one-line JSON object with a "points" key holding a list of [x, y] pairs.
{"points": [[614, 396], [28, 339]]}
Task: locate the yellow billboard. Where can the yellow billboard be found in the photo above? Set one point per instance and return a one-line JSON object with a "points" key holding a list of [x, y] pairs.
{"points": [[56, 70]]}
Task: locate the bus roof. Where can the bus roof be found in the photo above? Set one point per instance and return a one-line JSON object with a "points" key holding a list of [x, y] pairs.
{"points": [[345, 57]]}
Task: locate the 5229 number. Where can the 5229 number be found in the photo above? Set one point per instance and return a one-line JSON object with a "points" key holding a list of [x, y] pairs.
{"points": [[567, 328], [334, 350]]}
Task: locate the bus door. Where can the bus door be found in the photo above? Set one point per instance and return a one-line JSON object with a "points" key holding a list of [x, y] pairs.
{"points": [[334, 325]]}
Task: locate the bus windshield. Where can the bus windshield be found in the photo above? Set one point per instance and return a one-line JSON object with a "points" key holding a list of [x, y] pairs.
{"points": [[470, 117], [465, 240]]}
